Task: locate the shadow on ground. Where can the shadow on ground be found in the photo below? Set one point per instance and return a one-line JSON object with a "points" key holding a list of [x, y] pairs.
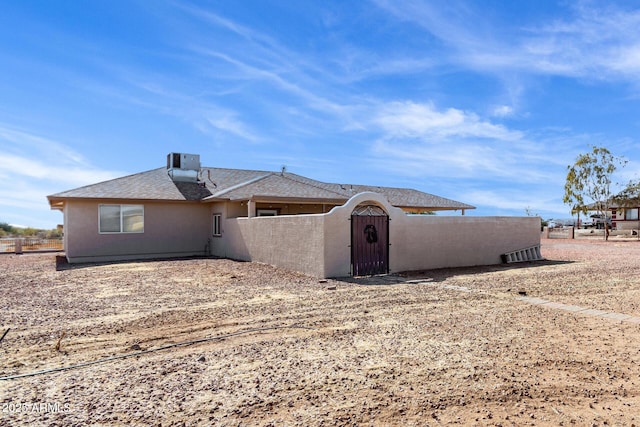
{"points": [[442, 274], [63, 264]]}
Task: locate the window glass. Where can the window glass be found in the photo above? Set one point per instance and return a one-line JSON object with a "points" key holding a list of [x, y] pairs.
{"points": [[110, 218], [121, 219], [267, 212], [132, 218], [216, 225], [631, 213]]}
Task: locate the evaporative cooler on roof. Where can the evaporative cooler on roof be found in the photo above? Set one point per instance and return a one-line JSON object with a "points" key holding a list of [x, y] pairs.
{"points": [[183, 167]]}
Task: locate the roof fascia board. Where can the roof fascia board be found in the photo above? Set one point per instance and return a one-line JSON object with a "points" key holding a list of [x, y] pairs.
{"points": [[64, 200]]}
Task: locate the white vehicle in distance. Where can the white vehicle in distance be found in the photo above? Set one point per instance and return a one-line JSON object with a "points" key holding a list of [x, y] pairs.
{"points": [[596, 221], [561, 223]]}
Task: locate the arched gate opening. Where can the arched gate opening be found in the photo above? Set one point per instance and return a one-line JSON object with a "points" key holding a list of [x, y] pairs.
{"points": [[369, 241]]}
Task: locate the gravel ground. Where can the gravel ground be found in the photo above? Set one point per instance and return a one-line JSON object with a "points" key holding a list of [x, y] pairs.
{"points": [[218, 342]]}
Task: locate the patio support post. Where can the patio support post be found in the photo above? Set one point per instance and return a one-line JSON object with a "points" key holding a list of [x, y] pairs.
{"points": [[250, 209]]}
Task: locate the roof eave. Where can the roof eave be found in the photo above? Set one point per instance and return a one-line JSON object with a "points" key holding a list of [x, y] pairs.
{"points": [[56, 200], [56, 203]]}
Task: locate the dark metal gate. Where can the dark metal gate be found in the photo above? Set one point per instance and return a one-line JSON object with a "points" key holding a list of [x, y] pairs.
{"points": [[369, 241]]}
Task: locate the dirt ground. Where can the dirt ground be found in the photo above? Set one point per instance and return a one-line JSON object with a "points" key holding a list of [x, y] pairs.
{"points": [[217, 342]]}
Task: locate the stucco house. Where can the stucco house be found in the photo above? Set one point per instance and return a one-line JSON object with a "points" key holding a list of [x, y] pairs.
{"points": [[281, 218], [623, 217]]}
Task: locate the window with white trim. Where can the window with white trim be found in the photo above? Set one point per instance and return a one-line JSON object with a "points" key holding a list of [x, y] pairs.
{"points": [[217, 220], [631, 214], [121, 219]]}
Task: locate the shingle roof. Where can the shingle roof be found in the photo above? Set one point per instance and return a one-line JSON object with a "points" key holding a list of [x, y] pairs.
{"points": [[277, 185], [155, 184], [237, 184]]}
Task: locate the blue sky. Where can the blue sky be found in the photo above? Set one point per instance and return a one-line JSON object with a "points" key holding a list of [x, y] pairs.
{"points": [[485, 102]]}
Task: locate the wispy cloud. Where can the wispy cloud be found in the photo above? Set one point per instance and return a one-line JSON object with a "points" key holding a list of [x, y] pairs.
{"points": [[35, 157], [227, 121], [19, 141], [425, 92], [277, 80], [58, 169], [410, 119], [600, 41], [267, 48], [594, 40], [37, 166], [510, 201], [422, 140], [140, 89], [237, 70], [502, 111]]}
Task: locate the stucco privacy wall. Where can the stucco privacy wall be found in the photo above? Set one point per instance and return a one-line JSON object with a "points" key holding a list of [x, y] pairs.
{"points": [[438, 242], [170, 229], [421, 242], [320, 244], [294, 242], [627, 225]]}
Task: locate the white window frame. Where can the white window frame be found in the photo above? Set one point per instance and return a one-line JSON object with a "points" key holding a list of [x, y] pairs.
{"points": [[217, 225], [120, 206]]}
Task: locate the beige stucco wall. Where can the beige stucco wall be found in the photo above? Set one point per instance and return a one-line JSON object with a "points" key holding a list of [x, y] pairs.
{"points": [[420, 242], [235, 209], [320, 244], [170, 229], [627, 225], [429, 242], [293, 242]]}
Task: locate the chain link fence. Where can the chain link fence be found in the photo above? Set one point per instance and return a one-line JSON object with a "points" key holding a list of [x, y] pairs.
{"points": [[30, 244]]}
